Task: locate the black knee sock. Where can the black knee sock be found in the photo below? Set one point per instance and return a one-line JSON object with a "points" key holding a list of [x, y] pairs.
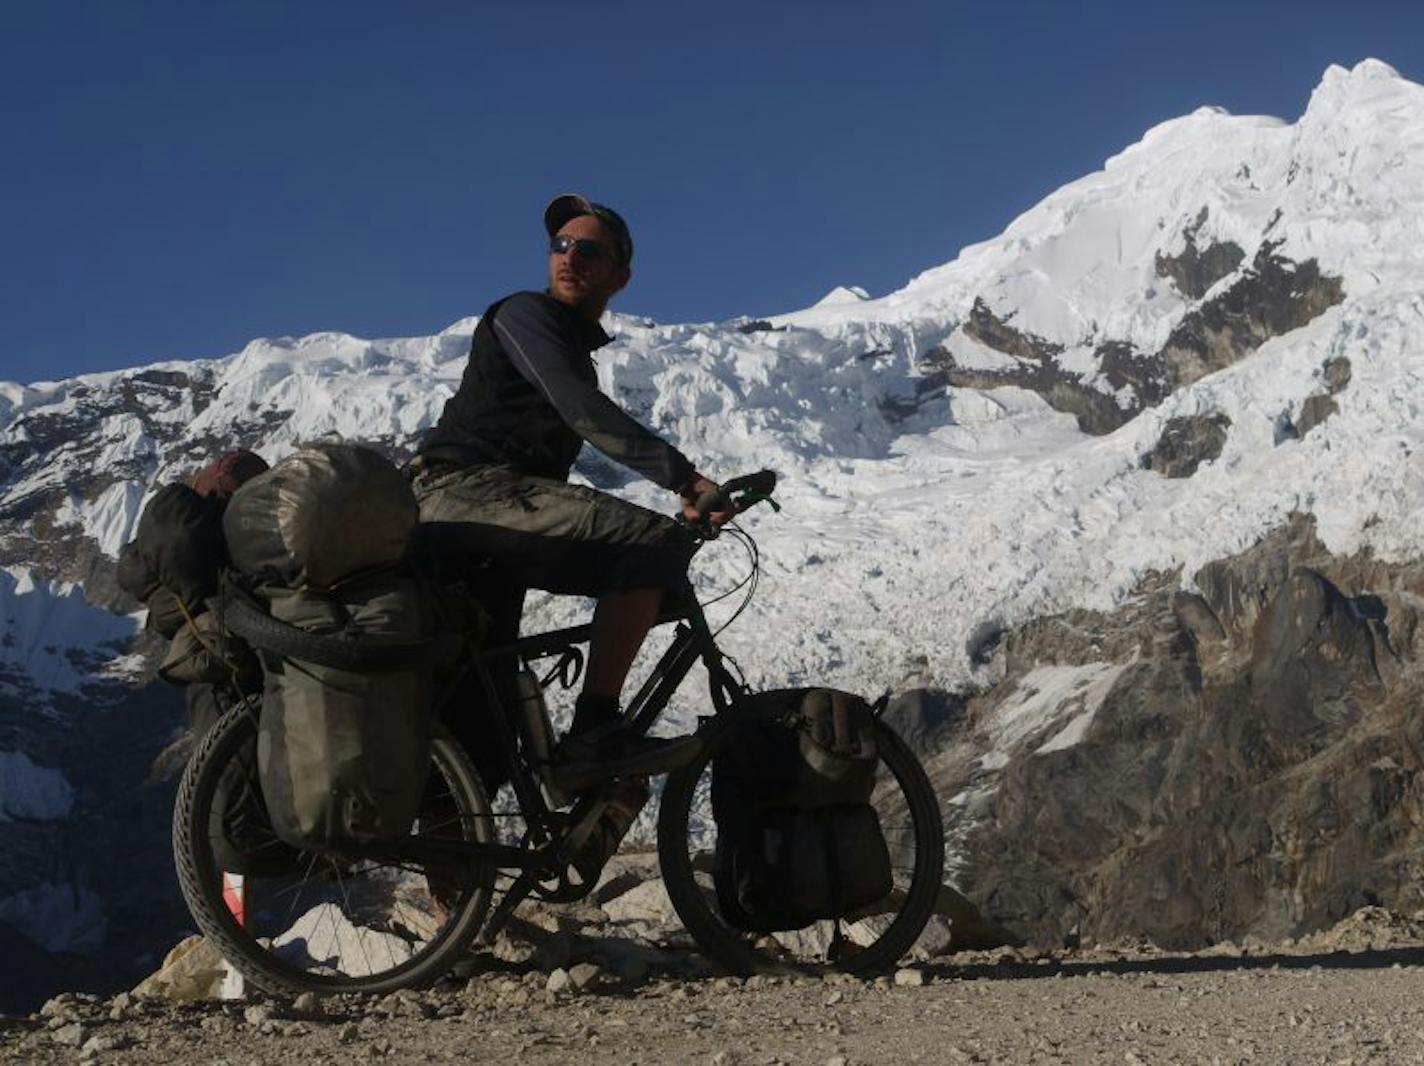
{"points": [[592, 711]]}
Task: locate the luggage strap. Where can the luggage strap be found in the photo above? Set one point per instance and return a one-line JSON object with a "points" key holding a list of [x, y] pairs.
{"points": [[198, 636], [844, 739]]}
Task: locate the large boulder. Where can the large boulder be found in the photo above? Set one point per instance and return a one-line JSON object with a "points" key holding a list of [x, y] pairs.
{"points": [[193, 971]]}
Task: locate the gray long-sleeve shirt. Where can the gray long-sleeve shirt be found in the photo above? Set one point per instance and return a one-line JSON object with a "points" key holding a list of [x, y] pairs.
{"points": [[529, 398]]}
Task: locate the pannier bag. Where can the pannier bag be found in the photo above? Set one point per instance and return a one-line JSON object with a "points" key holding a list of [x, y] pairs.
{"points": [[344, 739], [797, 837], [176, 556], [343, 754], [173, 565], [240, 828]]}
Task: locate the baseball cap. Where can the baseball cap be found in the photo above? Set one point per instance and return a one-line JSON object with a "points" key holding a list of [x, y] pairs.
{"points": [[572, 205]]}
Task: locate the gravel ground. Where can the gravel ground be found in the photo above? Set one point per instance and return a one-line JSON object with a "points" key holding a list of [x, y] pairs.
{"points": [[1354, 995]]}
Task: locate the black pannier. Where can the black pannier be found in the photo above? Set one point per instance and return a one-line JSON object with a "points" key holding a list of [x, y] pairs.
{"points": [[173, 565], [320, 542], [175, 556], [240, 828], [797, 837], [178, 550]]}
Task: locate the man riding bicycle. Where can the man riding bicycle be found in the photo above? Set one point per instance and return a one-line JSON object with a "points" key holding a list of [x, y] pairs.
{"points": [[493, 481]]}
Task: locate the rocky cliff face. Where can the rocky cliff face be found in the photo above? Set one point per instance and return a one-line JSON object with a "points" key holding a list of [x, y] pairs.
{"points": [[1239, 760]]}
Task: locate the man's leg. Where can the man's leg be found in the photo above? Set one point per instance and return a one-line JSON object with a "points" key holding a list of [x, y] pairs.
{"points": [[572, 539], [620, 625]]}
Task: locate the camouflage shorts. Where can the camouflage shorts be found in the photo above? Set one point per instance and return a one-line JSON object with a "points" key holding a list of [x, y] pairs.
{"points": [[551, 535]]}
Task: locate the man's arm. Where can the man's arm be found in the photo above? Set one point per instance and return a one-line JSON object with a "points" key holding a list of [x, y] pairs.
{"points": [[545, 356]]}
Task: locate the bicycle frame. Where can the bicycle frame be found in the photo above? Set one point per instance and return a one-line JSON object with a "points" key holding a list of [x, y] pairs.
{"points": [[554, 836], [467, 864]]}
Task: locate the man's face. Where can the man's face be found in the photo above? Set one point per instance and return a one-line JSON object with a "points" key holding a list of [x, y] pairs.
{"points": [[581, 278]]}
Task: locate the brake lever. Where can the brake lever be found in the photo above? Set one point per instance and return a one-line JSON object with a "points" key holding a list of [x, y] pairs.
{"points": [[760, 483], [751, 499]]}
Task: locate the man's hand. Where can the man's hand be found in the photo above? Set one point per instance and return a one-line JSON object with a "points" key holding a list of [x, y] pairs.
{"points": [[697, 487]]}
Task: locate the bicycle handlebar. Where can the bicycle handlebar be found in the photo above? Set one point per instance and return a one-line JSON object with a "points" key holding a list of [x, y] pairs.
{"points": [[762, 483]]}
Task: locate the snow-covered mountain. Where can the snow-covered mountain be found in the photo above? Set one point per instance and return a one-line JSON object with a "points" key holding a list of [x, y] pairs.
{"points": [[1149, 371]]}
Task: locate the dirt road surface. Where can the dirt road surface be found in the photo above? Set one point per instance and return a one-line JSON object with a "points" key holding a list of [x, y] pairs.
{"points": [[1353, 995]]}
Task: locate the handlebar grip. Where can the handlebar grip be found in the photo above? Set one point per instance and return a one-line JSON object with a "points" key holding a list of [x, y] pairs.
{"points": [[716, 500]]}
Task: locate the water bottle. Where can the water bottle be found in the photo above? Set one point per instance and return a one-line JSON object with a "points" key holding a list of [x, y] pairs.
{"points": [[535, 730], [533, 715]]}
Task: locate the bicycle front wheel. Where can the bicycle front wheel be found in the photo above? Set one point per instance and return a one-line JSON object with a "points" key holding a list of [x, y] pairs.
{"points": [[870, 941], [303, 921]]}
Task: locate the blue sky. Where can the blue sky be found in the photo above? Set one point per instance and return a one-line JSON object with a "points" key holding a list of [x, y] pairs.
{"points": [[180, 177]]}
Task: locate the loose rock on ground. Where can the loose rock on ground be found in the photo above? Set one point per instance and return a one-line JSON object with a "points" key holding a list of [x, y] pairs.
{"points": [[1354, 994]]}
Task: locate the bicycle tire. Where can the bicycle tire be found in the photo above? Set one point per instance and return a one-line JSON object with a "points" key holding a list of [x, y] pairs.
{"points": [[340, 651], [746, 954], [270, 962]]}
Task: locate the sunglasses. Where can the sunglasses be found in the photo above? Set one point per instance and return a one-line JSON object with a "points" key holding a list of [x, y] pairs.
{"points": [[589, 249]]}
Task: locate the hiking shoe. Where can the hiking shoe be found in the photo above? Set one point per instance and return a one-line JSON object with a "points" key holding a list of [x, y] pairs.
{"points": [[622, 802], [611, 751]]}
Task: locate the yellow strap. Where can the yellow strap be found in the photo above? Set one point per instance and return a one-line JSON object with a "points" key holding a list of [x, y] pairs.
{"points": [[198, 636]]}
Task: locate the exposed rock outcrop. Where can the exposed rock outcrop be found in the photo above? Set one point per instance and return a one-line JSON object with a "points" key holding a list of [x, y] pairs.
{"points": [[988, 328], [1186, 443], [1313, 411], [1271, 297], [1336, 372], [1037, 369], [1316, 408], [1195, 270], [1240, 760]]}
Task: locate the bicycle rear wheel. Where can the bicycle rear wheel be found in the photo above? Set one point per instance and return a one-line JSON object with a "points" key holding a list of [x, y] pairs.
{"points": [[870, 941], [316, 922]]}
